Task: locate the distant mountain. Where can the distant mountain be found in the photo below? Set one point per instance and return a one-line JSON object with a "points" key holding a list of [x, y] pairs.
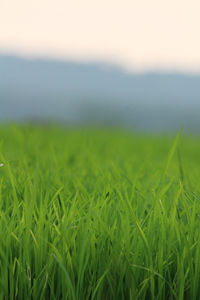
{"points": [[76, 93]]}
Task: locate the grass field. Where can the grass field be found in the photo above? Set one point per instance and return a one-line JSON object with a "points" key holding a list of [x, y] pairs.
{"points": [[96, 214]]}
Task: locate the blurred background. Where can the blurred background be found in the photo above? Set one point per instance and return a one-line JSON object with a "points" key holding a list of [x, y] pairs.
{"points": [[124, 63]]}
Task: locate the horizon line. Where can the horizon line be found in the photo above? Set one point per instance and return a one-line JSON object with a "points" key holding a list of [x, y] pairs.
{"points": [[104, 61]]}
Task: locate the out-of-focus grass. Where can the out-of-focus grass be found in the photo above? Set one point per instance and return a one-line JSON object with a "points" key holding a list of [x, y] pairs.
{"points": [[95, 214]]}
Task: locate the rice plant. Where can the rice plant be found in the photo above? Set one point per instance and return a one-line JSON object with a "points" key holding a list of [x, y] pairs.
{"points": [[98, 214]]}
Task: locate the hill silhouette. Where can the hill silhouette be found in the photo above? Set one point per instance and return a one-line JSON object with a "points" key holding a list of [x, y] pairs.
{"points": [[78, 93]]}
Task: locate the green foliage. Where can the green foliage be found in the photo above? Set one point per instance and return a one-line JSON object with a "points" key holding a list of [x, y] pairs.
{"points": [[95, 214]]}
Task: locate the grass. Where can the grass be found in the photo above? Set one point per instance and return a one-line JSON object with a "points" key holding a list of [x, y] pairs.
{"points": [[95, 214]]}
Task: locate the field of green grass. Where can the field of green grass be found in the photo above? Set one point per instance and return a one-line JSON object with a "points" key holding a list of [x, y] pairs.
{"points": [[96, 214]]}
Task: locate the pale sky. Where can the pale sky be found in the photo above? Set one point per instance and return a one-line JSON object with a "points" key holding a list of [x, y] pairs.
{"points": [[138, 34]]}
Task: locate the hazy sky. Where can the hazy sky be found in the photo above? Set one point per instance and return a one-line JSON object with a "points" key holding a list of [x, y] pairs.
{"points": [[140, 34]]}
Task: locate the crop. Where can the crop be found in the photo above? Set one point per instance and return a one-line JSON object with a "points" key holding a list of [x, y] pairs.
{"points": [[98, 214]]}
